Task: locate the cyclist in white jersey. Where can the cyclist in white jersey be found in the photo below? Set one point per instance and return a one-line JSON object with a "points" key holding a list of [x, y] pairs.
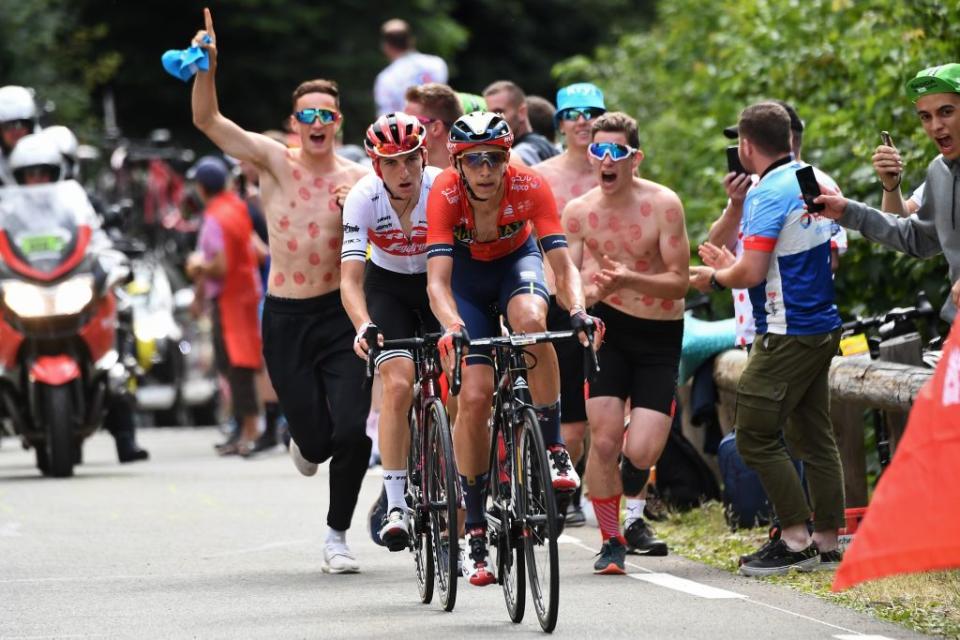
{"points": [[387, 212]]}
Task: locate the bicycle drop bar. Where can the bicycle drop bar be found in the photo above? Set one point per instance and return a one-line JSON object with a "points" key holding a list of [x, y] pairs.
{"points": [[428, 340], [591, 365]]}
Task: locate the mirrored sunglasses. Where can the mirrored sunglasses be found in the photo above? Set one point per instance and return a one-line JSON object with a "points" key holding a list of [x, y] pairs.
{"points": [[617, 152], [492, 159], [389, 150], [309, 116], [588, 113]]}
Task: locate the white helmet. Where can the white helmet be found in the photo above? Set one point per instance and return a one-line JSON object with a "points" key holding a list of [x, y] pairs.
{"points": [[16, 103], [36, 150], [67, 143]]}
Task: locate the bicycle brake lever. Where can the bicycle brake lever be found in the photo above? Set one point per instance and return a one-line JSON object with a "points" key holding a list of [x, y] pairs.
{"points": [[458, 357], [591, 366], [371, 335]]}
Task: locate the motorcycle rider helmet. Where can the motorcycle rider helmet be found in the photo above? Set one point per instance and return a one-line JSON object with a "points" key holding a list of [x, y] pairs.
{"points": [[36, 159], [477, 128], [16, 103], [67, 144]]}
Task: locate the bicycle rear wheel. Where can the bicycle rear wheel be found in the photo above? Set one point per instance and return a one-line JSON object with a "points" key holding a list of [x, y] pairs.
{"points": [[503, 528], [540, 523], [441, 490], [421, 546]]}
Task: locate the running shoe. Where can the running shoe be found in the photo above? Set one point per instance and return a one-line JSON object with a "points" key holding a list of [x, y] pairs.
{"points": [[778, 559], [562, 473], [303, 465], [476, 565], [395, 529], [773, 535], [641, 540], [337, 558], [612, 557]]}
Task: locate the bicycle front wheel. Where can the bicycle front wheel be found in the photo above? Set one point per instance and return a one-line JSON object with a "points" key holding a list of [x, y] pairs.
{"points": [[503, 527], [540, 523], [422, 546], [441, 490]]}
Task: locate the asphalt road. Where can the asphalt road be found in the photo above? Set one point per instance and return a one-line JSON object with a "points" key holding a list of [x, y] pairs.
{"points": [[189, 545]]}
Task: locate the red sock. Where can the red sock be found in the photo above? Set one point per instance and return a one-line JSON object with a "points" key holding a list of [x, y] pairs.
{"points": [[607, 511]]}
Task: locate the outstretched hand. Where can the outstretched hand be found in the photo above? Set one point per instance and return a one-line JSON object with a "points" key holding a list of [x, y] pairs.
{"points": [[206, 39]]}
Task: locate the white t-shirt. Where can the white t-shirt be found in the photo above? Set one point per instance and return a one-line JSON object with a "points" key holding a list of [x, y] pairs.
{"points": [[410, 69], [368, 218]]}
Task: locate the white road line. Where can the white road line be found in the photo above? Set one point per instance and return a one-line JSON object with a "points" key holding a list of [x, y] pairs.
{"points": [[854, 633], [263, 547], [686, 586]]}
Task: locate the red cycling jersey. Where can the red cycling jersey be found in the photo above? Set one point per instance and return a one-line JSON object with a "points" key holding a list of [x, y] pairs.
{"points": [[527, 198]]}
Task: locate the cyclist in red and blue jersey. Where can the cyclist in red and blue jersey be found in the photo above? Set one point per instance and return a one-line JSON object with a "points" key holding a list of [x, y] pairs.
{"points": [[482, 262]]}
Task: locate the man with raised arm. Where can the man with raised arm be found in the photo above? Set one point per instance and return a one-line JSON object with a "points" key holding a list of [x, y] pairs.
{"points": [[307, 336], [570, 175], [634, 229]]}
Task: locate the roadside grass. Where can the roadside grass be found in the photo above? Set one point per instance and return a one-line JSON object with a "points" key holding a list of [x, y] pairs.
{"points": [[928, 603]]}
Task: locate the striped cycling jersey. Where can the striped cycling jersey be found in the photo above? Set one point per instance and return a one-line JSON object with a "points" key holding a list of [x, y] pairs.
{"points": [[797, 296], [368, 219], [527, 199]]}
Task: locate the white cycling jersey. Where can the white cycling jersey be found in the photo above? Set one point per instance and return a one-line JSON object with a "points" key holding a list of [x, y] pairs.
{"points": [[368, 219]]}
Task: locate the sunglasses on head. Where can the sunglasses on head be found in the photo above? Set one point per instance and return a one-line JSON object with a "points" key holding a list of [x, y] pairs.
{"points": [[588, 113], [617, 152], [309, 116], [491, 158]]}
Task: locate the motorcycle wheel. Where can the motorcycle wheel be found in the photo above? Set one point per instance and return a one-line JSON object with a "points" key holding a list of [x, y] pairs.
{"points": [[61, 450]]}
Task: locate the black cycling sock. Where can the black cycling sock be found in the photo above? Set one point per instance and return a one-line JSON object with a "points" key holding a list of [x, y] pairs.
{"points": [[549, 417], [473, 489]]}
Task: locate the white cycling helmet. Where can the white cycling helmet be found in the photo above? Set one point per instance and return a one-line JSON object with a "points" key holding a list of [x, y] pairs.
{"points": [[36, 150], [67, 144], [17, 103]]}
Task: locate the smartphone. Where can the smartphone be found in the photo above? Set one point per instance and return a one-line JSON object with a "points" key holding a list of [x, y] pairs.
{"points": [[809, 188], [885, 137], [733, 160]]}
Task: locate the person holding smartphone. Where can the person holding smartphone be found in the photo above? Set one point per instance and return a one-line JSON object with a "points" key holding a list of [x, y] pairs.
{"points": [[933, 229], [785, 268], [889, 167]]}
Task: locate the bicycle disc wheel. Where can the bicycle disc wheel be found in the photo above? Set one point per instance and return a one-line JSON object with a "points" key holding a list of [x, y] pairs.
{"points": [[540, 524], [441, 490], [422, 546], [504, 532]]}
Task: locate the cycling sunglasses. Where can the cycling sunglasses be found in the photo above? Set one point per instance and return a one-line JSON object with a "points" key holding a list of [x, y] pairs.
{"points": [[492, 159], [617, 152], [309, 116], [588, 113], [388, 150]]}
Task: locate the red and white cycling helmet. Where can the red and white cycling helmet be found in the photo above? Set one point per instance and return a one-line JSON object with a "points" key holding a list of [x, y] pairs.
{"points": [[477, 128], [394, 134]]}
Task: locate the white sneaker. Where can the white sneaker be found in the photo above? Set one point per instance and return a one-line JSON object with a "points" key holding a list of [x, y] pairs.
{"points": [[303, 465], [395, 529], [337, 558]]}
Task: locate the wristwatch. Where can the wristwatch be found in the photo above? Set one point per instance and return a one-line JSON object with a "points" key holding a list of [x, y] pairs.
{"points": [[716, 286]]}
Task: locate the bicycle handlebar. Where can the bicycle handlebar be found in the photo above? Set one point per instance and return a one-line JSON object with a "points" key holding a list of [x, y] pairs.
{"points": [[428, 340], [591, 365]]}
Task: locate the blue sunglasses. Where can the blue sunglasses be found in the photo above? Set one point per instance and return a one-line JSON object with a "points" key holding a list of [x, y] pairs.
{"points": [[617, 152], [309, 116], [573, 114]]}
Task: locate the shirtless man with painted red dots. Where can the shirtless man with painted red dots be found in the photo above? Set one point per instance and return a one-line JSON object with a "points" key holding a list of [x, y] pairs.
{"points": [[307, 336], [570, 175], [635, 231]]}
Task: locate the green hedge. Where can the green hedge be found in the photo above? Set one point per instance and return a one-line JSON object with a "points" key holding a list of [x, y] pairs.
{"points": [[841, 63]]}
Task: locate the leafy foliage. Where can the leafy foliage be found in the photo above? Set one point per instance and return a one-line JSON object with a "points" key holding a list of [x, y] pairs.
{"points": [[841, 63]]}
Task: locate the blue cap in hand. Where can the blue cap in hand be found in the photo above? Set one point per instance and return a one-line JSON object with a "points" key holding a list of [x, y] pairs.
{"points": [[183, 63]]}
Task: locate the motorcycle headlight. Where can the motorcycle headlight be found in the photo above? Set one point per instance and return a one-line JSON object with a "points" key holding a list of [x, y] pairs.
{"points": [[33, 301]]}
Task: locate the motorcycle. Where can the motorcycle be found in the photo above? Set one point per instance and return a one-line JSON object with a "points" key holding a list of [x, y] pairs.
{"points": [[58, 345]]}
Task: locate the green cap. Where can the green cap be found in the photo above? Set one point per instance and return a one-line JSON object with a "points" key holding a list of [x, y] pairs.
{"points": [[472, 102], [942, 79]]}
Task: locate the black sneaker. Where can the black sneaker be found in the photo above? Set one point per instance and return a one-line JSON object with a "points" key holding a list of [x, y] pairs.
{"points": [[612, 556], [829, 560], [641, 540], [575, 517], [378, 511], [773, 535], [778, 559], [266, 441]]}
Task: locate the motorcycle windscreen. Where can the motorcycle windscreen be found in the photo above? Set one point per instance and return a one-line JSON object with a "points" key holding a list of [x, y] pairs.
{"points": [[43, 222]]}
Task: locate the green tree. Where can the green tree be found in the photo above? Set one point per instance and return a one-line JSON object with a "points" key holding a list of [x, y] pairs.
{"points": [[841, 63], [44, 46]]}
